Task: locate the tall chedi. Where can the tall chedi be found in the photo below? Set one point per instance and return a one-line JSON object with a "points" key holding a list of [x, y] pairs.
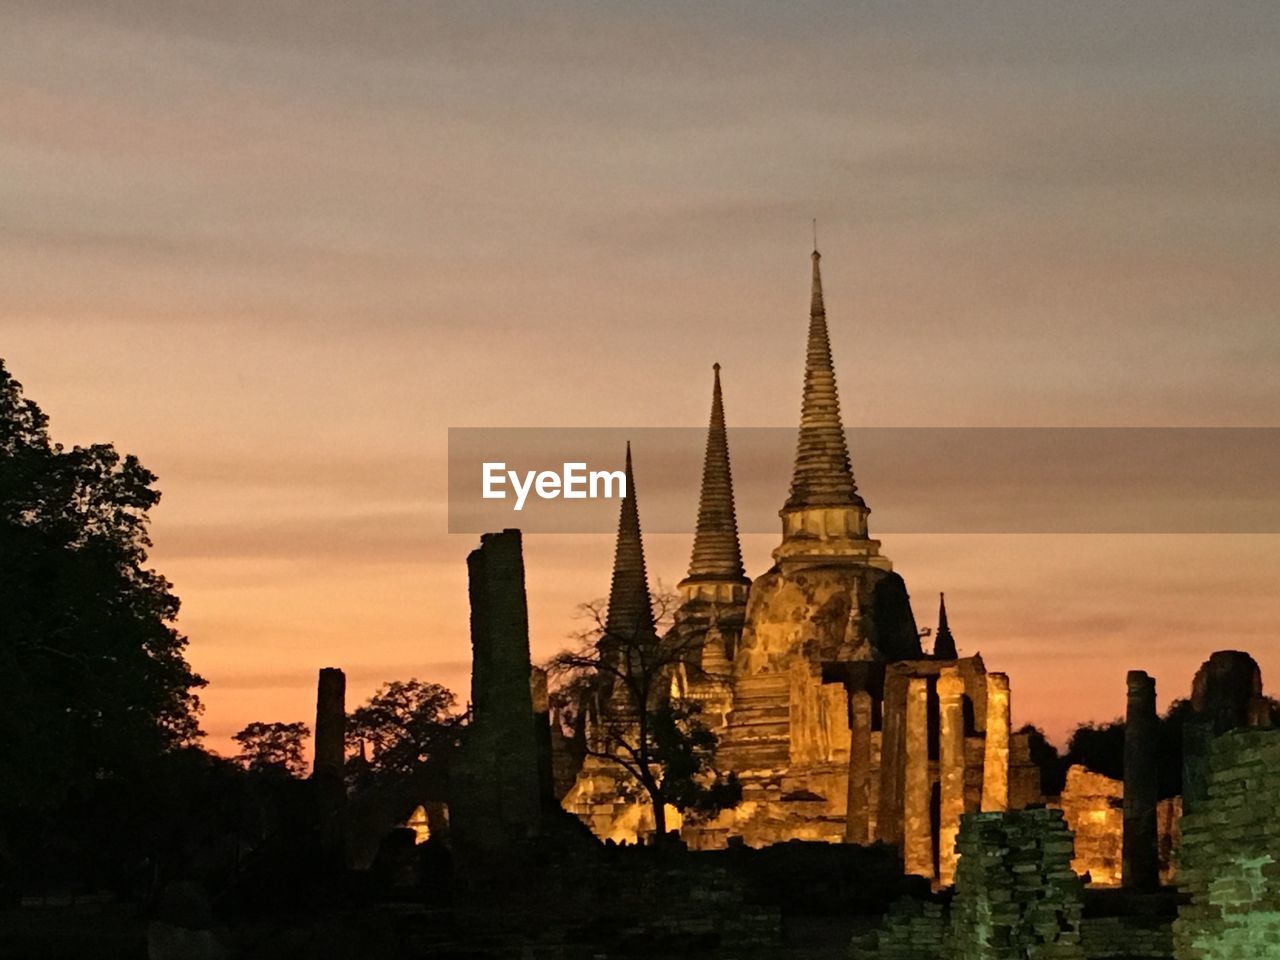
{"points": [[713, 597], [831, 598], [602, 795], [630, 612]]}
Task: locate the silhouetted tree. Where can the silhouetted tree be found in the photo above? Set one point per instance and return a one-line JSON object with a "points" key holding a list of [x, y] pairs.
{"points": [[273, 748], [624, 683], [406, 727], [93, 678], [1053, 771], [1100, 747]]}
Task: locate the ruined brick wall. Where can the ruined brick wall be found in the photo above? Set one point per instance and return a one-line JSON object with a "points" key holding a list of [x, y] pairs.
{"points": [[1126, 938], [1017, 897], [1230, 857], [1093, 807], [912, 930]]}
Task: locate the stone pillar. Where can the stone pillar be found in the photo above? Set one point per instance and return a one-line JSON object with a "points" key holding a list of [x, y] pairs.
{"points": [[495, 780], [917, 827], [858, 817], [995, 759], [331, 723], [893, 752], [1141, 864], [950, 769]]}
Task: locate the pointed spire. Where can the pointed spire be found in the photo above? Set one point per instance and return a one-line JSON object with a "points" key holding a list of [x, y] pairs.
{"points": [[630, 614], [717, 554], [822, 476], [944, 645]]}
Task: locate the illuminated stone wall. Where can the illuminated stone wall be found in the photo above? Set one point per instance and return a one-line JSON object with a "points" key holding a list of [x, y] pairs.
{"points": [[1230, 857], [1094, 809], [1093, 805]]}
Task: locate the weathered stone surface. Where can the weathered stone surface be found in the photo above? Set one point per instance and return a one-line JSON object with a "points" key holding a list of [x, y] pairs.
{"points": [[1230, 856], [995, 767], [331, 720], [1093, 805], [1127, 938], [858, 820], [916, 827], [1016, 895], [1094, 809], [912, 930], [1226, 694], [1141, 863], [327, 776], [496, 781], [1227, 691], [951, 759]]}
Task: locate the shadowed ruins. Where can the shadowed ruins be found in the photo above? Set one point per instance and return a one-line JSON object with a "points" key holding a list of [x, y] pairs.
{"points": [[781, 770]]}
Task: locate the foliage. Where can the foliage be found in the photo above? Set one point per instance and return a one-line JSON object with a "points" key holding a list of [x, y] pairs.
{"points": [[273, 748], [1053, 770], [406, 727], [93, 676], [624, 683], [1100, 748]]}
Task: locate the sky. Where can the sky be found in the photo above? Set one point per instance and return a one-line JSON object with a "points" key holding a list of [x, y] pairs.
{"points": [[277, 250]]}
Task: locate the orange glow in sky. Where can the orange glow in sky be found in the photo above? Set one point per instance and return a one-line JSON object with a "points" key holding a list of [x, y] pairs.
{"points": [[276, 250]]}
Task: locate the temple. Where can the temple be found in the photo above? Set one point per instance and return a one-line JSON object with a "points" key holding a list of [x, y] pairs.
{"points": [[837, 723]]}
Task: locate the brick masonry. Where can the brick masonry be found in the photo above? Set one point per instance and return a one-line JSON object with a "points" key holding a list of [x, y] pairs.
{"points": [[1230, 856]]}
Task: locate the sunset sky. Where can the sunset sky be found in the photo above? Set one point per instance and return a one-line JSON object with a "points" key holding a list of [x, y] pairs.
{"points": [[278, 249]]}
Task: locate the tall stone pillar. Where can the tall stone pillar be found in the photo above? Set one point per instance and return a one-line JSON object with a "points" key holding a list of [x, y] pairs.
{"points": [[950, 769], [1141, 861], [331, 722], [917, 827], [858, 818], [893, 753], [995, 760], [495, 781]]}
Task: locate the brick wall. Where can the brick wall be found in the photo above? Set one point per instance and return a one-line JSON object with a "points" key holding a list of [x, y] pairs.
{"points": [[1230, 857]]}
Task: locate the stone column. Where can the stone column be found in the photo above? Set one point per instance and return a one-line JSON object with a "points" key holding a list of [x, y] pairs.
{"points": [[1141, 865], [950, 769], [995, 760], [495, 786], [893, 752], [917, 828], [858, 817], [329, 794], [331, 722]]}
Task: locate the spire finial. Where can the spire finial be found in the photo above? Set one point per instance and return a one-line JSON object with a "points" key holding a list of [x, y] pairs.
{"points": [[822, 476], [944, 644], [815, 234], [630, 614], [717, 554]]}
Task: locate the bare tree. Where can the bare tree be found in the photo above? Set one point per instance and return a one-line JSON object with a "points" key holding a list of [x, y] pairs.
{"points": [[617, 688]]}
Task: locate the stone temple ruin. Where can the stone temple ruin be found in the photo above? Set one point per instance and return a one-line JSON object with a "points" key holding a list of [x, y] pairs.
{"points": [[898, 766], [837, 723]]}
